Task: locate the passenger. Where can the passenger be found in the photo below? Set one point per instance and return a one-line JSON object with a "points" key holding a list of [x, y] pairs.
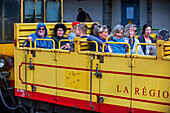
{"points": [[81, 30], [92, 28], [59, 31], [72, 34], [130, 38], [116, 36], [146, 38], [135, 29], [41, 33], [162, 34], [100, 35]]}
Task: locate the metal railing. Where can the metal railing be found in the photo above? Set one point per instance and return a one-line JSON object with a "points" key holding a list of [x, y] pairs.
{"points": [[116, 43]]}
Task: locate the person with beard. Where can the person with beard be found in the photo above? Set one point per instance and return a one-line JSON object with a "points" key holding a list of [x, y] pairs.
{"points": [[41, 33], [59, 31]]}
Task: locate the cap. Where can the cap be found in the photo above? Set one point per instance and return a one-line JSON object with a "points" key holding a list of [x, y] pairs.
{"points": [[75, 23]]}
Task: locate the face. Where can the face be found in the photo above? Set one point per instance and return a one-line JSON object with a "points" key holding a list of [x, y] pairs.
{"points": [[78, 32], [131, 32], [41, 31], [60, 32], [148, 31], [103, 35], [135, 29], [119, 34]]}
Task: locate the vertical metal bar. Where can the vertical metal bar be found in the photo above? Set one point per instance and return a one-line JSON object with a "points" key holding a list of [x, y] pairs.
{"points": [[35, 11], [3, 21], [61, 11], [45, 11], [26, 73], [91, 82], [22, 11]]}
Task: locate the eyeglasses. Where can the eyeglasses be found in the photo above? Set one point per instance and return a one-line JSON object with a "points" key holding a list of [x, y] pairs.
{"points": [[41, 28], [60, 30]]}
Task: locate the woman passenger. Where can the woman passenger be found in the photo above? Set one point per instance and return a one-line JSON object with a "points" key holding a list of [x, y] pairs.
{"points": [[100, 35], [59, 31], [130, 38], [146, 38], [116, 36]]}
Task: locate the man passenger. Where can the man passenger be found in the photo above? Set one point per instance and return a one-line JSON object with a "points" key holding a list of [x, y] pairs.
{"points": [[81, 30], [162, 34], [41, 33]]}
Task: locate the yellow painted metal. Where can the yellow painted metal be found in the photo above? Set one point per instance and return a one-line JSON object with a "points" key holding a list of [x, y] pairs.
{"points": [[115, 83], [129, 80], [115, 43], [45, 11], [96, 44], [143, 44], [22, 11], [63, 40]]}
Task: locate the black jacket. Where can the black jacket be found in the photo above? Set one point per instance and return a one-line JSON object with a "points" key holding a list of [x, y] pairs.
{"points": [[57, 39], [81, 16], [142, 40]]}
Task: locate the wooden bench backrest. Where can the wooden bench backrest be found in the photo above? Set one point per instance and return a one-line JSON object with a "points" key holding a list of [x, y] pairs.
{"points": [[23, 30]]}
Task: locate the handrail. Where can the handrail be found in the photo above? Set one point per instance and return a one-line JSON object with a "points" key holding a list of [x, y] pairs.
{"points": [[91, 42], [45, 40], [26, 74], [116, 43], [91, 82], [143, 44], [63, 40], [30, 44]]}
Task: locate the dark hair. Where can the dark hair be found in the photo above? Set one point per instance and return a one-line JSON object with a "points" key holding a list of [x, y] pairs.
{"points": [[59, 26], [92, 28], [144, 27], [80, 9]]}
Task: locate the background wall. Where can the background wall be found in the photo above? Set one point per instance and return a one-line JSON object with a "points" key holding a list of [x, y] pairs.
{"points": [[161, 14], [116, 12], [93, 7], [143, 13], [160, 11]]}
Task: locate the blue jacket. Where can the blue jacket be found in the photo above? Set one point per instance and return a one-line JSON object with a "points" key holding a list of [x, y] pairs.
{"points": [[39, 43], [100, 42], [118, 48]]}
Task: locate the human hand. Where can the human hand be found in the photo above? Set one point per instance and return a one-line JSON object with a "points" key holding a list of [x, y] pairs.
{"points": [[29, 38]]}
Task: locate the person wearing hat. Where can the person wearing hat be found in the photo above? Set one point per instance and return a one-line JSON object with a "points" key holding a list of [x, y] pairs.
{"points": [[72, 34], [41, 33], [59, 31]]}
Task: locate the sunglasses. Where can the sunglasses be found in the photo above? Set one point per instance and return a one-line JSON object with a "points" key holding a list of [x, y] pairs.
{"points": [[41, 28]]}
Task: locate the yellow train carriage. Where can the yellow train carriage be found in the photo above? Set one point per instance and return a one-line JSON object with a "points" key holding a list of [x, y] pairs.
{"points": [[95, 81]]}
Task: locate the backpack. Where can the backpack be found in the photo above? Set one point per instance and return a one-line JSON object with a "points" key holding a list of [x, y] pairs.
{"points": [[88, 18]]}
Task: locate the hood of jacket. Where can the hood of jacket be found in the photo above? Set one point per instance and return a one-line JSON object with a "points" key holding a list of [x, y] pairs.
{"points": [[41, 25]]}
